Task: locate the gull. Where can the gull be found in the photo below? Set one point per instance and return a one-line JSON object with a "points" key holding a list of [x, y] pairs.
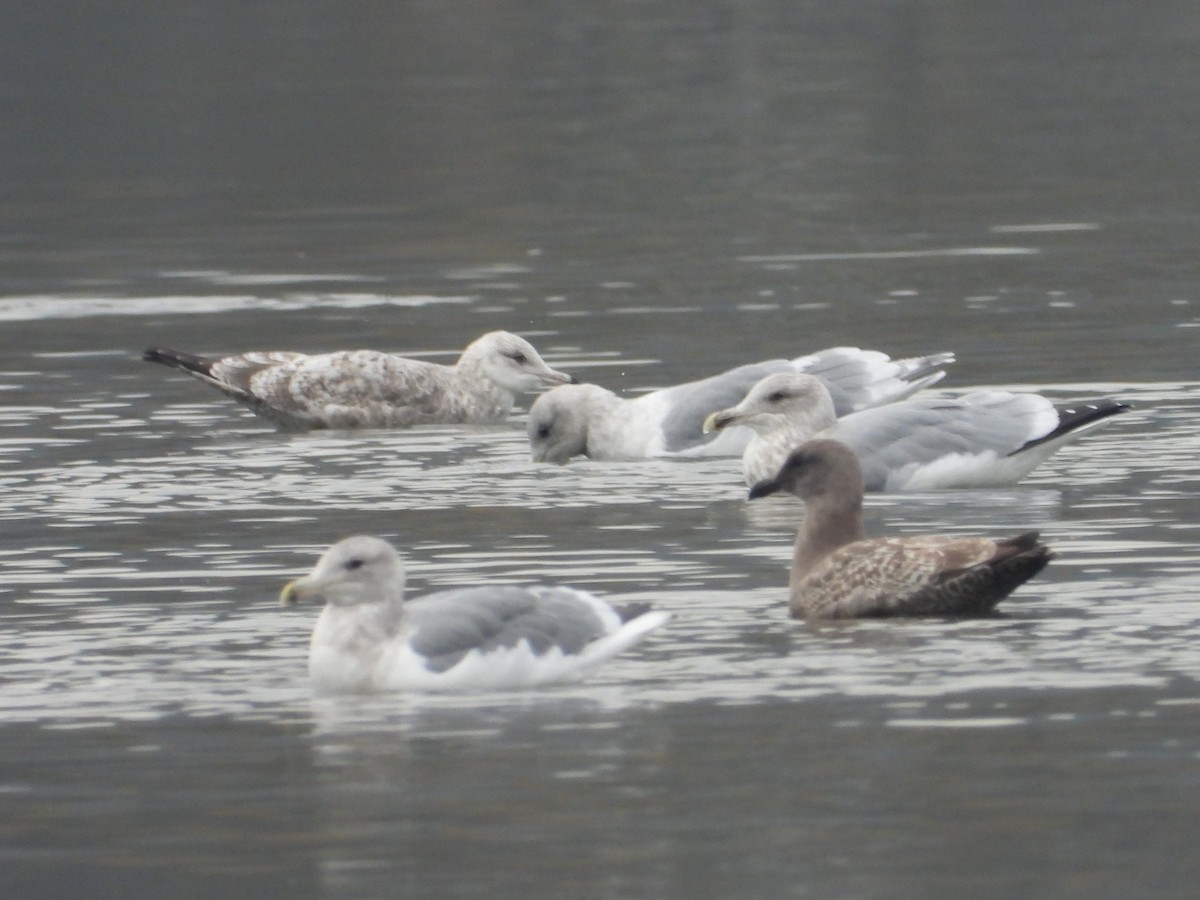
{"points": [[370, 389], [985, 438], [369, 638], [588, 420], [839, 573]]}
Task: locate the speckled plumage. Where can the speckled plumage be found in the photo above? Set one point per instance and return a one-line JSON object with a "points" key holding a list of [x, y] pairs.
{"points": [[838, 573], [918, 576], [588, 420], [984, 438], [370, 389]]}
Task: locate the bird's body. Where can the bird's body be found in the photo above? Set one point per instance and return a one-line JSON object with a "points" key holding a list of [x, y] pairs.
{"points": [[369, 638], [984, 438], [588, 420], [937, 576], [370, 389], [838, 573]]}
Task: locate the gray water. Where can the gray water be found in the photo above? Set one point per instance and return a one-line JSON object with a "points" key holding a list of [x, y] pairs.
{"points": [[650, 193]]}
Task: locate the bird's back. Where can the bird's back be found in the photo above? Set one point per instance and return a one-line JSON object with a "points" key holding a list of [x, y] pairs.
{"points": [[345, 388], [918, 576], [510, 637], [448, 625]]}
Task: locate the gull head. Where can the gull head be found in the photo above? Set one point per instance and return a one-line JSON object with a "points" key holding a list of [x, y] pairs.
{"points": [[558, 424], [353, 572], [815, 470], [511, 362], [784, 401]]}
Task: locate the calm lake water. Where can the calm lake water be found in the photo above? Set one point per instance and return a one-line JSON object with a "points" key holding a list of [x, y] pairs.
{"points": [[650, 193]]}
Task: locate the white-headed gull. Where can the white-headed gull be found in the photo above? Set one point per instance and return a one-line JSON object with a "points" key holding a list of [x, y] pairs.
{"points": [[983, 438], [369, 638], [370, 389], [587, 420]]}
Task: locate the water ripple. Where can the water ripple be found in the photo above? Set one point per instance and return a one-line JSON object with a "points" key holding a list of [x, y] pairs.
{"points": [[159, 538]]}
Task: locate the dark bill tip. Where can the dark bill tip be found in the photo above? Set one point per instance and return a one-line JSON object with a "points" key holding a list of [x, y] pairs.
{"points": [[763, 488]]}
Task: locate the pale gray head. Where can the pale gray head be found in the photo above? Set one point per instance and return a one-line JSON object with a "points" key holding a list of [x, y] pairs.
{"points": [[558, 424], [354, 571], [785, 400], [818, 469], [511, 362]]}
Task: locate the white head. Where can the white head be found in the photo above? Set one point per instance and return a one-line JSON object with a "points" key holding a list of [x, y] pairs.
{"points": [[784, 402], [353, 572], [558, 423], [511, 362]]}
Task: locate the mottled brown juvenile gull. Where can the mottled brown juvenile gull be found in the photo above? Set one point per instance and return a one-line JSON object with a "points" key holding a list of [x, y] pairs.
{"points": [[369, 638], [587, 420], [985, 438], [370, 389], [838, 573]]}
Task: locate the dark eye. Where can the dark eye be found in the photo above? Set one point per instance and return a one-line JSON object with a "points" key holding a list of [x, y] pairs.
{"points": [[519, 358], [775, 396], [353, 564], [543, 431]]}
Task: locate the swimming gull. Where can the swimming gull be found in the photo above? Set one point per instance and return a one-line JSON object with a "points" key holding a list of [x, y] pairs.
{"points": [[838, 573], [369, 638], [370, 389], [985, 438], [587, 420]]}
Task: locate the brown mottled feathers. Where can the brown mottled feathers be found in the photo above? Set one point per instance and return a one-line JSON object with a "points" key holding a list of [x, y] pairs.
{"points": [[839, 573], [919, 576]]}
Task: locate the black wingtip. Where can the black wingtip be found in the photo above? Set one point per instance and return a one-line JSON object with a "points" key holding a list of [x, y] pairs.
{"points": [[176, 359], [1077, 418], [1025, 541], [1095, 411]]}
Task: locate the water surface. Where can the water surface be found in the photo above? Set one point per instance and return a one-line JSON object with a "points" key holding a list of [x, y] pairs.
{"points": [[649, 194]]}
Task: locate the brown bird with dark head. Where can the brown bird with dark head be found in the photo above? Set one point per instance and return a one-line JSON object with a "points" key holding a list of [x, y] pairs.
{"points": [[839, 573]]}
